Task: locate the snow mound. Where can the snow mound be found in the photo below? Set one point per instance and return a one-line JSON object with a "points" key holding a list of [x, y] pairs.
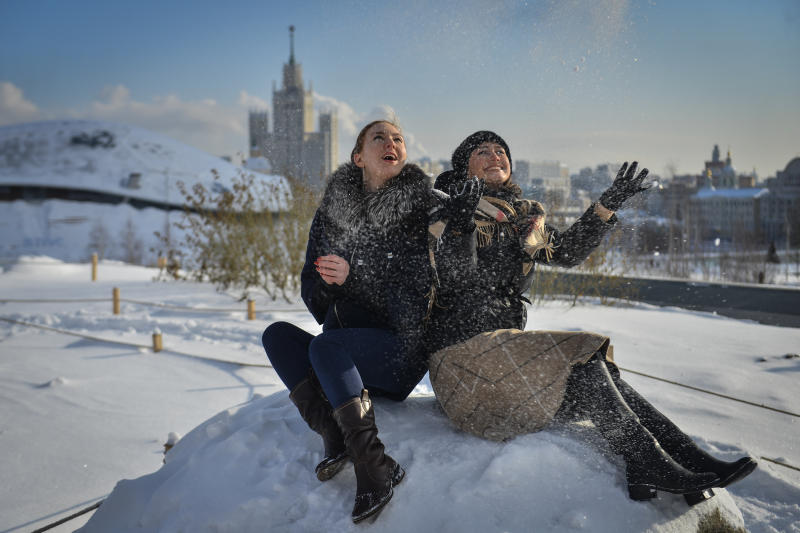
{"points": [[108, 157], [55, 382], [250, 468]]}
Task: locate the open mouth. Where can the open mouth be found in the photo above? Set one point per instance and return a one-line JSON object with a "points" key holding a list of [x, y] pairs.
{"points": [[390, 157]]}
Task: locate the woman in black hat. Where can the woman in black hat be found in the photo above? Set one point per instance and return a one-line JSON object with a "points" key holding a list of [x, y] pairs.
{"points": [[497, 381]]}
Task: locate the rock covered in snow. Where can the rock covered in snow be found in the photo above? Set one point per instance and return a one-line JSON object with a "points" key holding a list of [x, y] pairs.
{"points": [[251, 468]]}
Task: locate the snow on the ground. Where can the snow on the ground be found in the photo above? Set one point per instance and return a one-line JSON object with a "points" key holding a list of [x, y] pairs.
{"points": [[77, 416]]}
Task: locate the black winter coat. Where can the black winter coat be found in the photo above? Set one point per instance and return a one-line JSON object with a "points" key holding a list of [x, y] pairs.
{"points": [[384, 237], [491, 296]]}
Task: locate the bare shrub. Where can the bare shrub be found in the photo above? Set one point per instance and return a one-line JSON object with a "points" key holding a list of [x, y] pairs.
{"points": [[131, 245], [99, 240], [253, 235]]}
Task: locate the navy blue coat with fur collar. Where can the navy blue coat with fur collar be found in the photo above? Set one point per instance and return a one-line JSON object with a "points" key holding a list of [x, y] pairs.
{"points": [[384, 237]]}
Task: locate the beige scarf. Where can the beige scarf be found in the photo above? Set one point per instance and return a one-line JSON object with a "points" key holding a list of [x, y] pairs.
{"points": [[493, 217]]}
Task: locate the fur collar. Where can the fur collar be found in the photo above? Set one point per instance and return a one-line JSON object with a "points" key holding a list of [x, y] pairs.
{"points": [[348, 206]]}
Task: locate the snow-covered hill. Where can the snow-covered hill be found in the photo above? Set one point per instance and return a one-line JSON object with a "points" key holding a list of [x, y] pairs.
{"points": [[108, 157], [70, 187], [250, 469]]}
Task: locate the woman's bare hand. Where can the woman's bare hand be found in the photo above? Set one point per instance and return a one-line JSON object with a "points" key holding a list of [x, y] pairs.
{"points": [[333, 269]]}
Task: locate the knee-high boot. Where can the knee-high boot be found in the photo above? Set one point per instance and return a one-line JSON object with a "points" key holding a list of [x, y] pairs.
{"points": [[318, 414], [679, 445], [648, 467], [376, 472]]}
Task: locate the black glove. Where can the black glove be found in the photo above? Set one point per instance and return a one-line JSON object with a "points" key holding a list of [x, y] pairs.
{"points": [[460, 207], [625, 185]]}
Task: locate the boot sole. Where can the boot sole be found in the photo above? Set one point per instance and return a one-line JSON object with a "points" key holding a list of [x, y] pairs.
{"points": [[648, 491], [744, 470], [398, 474], [373, 511], [326, 471], [693, 498]]}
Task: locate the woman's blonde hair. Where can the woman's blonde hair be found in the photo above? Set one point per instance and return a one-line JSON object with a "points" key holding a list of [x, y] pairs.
{"points": [[363, 133]]}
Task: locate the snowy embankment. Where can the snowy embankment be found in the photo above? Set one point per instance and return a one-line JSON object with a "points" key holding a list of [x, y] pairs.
{"points": [[79, 415], [251, 469]]}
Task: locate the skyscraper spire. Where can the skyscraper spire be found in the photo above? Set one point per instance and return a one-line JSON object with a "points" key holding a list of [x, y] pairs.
{"points": [[291, 45]]}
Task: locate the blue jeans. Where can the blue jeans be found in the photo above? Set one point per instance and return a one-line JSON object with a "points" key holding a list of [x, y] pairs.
{"points": [[345, 361]]}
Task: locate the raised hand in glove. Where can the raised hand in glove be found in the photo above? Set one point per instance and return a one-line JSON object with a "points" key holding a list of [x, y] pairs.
{"points": [[460, 207], [625, 185]]}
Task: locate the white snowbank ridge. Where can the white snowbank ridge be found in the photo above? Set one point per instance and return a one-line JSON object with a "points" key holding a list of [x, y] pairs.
{"points": [[252, 469], [103, 156]]}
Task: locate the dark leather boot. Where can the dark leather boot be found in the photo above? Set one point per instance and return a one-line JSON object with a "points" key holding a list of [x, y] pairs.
{"points": [[318, 414], [649, 468], [376, 472], [679, 445]]}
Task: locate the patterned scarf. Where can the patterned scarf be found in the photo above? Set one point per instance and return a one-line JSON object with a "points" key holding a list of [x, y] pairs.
{"points": [[524, 218]]}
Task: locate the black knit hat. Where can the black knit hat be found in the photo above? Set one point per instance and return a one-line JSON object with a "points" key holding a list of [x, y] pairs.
{"points": [[460, 159]]}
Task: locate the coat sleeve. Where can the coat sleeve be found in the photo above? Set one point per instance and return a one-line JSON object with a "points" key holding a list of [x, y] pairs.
{"points": [[315, 292], [573, 246]]}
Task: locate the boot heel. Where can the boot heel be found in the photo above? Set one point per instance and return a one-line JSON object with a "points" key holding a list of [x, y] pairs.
{"points": [[693, 498], [641, 491], [397, 474]]}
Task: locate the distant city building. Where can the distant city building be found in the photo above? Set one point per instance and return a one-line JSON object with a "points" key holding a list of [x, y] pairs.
{"points": [[522, 173], [675, 196], [594, 181], [550, 181], [781, 214], [258, 126], [730, 214], [747, 182], [722, 173], [293, 148]]}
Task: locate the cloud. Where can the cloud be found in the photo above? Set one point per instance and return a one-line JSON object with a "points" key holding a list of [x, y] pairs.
{"points": [[252, 102], [351, 122], [205, 124], [14, 107], [349, 119]]}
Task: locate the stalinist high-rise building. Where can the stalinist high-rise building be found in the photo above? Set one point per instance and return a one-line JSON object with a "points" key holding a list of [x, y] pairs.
{"points": [[293, 147]]}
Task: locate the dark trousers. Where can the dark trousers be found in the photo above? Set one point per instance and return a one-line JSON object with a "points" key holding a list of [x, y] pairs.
{"points": [[345, 361]]}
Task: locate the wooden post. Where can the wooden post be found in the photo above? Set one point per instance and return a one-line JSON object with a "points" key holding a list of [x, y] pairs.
{"points": [[115, 299], [162, 262], [251, 309], [157, 343], [94, 267]]}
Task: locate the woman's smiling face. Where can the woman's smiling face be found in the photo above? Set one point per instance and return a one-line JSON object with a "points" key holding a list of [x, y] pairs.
{"points": [[490, 163]]}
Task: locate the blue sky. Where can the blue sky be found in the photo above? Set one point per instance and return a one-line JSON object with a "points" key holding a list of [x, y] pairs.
{"points": [[579, 81]]}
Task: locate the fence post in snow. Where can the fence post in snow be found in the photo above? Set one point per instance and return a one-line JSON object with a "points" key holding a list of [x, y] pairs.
{"points": [[251, 309], [157, 343], [115, 299], [94, 267]]}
